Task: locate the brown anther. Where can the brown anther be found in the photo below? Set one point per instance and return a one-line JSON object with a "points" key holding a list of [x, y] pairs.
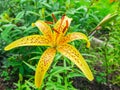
{"points": [[65, 26], [54, 18], [62, 18], [48, 22], [55, 30]]}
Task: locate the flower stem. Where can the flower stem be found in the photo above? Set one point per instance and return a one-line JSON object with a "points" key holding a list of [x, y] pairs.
{"points": [[65, 74]]}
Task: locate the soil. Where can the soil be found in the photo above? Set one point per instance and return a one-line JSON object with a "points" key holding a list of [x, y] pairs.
{"points": [[7, 85], [83, 84], [2, 87], [78, 83]]}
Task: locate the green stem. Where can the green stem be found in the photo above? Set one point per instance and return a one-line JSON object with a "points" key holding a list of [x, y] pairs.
{"points": [[106, 61], [65, 74], [106, 49]]}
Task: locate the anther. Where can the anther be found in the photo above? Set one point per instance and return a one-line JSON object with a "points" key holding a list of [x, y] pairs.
{"points": [[65, 26], [54, 18], [55, 30], [48, 22], [62, 18]]}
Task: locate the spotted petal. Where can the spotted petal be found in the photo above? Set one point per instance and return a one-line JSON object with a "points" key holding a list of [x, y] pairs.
{"points": [[33, 40], [74, 36], [43, 65], [44, 28], [72, 53]]}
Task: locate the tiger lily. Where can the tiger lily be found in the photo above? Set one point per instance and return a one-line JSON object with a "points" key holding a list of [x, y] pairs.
{"points": [[57, 40]]}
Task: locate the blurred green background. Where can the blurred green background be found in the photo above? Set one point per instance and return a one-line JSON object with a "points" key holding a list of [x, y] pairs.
{"points": [[17, 66]]}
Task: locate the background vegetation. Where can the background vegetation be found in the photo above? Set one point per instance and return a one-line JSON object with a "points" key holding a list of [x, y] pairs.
{"points": [[17, 66]]}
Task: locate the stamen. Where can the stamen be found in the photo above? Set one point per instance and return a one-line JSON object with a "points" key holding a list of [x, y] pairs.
{"points": [[55, 31], [54, 18], [62, 18], [65, 26], [48, 22]]}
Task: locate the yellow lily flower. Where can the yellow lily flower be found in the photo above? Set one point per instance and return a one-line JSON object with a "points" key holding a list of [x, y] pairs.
{"points": [[57, 40]]}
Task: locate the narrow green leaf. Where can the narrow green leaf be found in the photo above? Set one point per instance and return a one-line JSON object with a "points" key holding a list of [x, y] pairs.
{"points": [[34, 58], [30, 66], [20, 15], [107, 18], [5, 33], [59, 69], [30, 84]]}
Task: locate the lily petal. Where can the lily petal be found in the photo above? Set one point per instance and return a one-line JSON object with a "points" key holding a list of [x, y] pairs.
{"points": [[33, 40], [73, 54], [44, 28], [43, 65], [74, 36]]}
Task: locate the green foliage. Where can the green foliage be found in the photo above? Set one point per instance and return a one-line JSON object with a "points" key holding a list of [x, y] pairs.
{"points": [[5, 75], [16, 17]]}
